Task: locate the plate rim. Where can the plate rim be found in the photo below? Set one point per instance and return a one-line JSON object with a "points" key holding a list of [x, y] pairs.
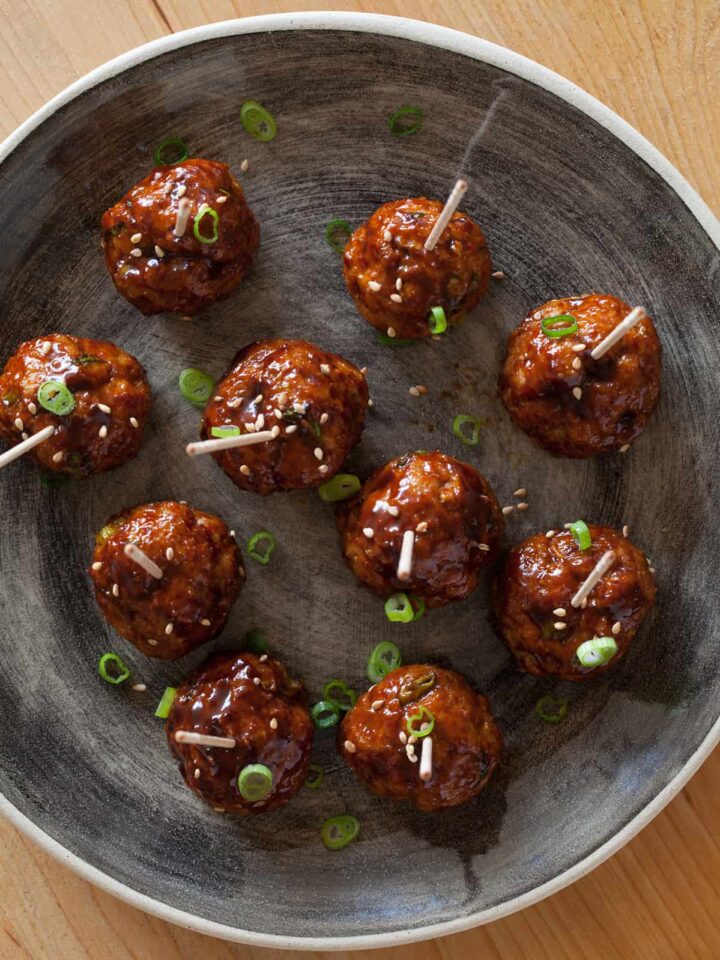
{"points": [[495, 55]]}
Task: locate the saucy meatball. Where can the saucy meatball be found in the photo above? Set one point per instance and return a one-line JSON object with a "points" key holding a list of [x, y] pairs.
{"points": [[461, 735], [94, 394], [253, 701], [395, 281], [535, 616], [313, 401], [569, 403], [455, 517], [181, 238], [202, 572]]}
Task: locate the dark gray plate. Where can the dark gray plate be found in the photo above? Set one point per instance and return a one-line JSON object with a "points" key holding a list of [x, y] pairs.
{"points": [[571, 200]]}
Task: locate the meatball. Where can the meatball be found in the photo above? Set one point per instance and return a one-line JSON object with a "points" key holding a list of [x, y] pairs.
{"points": [[395, 281], [202, 572], [567, 402], [532, 601], [181, 238], [252, 700], [313, 401], [100, 393], [465, 742], [451, 508]]}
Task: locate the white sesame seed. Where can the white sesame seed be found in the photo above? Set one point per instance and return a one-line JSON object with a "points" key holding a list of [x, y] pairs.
{"points": [[235, 402], [256, 681], [291, 429], [169, 629], [197, 773], [244, 166], [584, 603], [245, 470], [134, 422], [139, 687], [205, 622], [651, 569], [102, 432], [169, 553], [396, 298], [560, 612], [104, 407], [624, 448], [258, 398], [421, 527], [377, 704], [282, 399], [57, 457], [275, 432], [371, 402], [520, 492], [577, 363], [413, 740], [136, 238], [260, 422], [325, 368], [578, 347], [577, 392], [369, 532], [232, 533], [550, 534], [507, 511], [523, 506], [350, 746], [414, 392], [45, 347], [19, 425], [159, 251], [298, 408], [136, 252], [393, 511], [484, 547], [153, 643], [32, 408], [625, 530], [391, 332], [25, 436], [264, 658], [324, 417], [387, 236], [560, 625], [398, 283], [278, 414], [97, 565], [221, 199], [498, 275], [115, 590], [318, 454], [363, 371], [181, 191], [323, 468], [273, 724], [616, 628], [374, 286], [403, 736]]}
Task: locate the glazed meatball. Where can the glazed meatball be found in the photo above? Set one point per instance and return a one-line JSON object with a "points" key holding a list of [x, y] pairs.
{"points": [[533, 594], [100, 393], [252, 700], [202, 573], [375, 740], [181, 238], [395, 281], [567, 402], [313, 401], [451, 508]]}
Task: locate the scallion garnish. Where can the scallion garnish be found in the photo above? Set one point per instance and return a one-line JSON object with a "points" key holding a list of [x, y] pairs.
{"points": [[55, 397], [561, 326], [337, 234], [467, 428], [385, 657], [196, 386], [426, 720], [261, 545], [406, 120], [112, 669], [419, 607], [172, 150], [342, 486], [206, 211], [340, 694], [596, 652], [255, 782], [258, 121], [387, 341], [225, 431], [414, 689], [580, 531], [315, 776], [437, 321], [325, 713], [255, 641], [551, 710], [338, 832], [166, 701], [398, 608]]}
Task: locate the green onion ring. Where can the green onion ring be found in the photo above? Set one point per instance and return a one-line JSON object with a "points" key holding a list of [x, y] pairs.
{"points": [[255, 641], [335, 231], [550, 328], [258, 121], [196, 386], [227, 430], [315, 776], [551, 710], [340, 694], [462, 420], [112, 661], [175, 146], [206, 211], [398, 608], [325, 713], [338, 832], [267, 544], [385, 657], [419, 605], [580, 531], [166, 701], [342, 486], [437, 321], [255, 782], [596, 652], [426, 719], [387, 341], [398, 124], [55, 397]]}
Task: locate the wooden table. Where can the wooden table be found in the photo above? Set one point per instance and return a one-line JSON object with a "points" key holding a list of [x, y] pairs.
{"points": [[656, 63]]}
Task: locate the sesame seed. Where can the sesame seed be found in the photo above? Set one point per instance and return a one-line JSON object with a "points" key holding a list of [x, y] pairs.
{"points": [[403, 737], [244, 166], [577, 392], [25, 436], [391, 332], [577, 363], [584, 603], [245, 470], [560, 625], [19, 425], [325, 368], [324, 417], [318, 454], [624, 448], [625, 530], [115, 590], [520, 492], [134, 422], [275, 432], [350, 746], [263, 658], [523, 506], [387, 236], [578, 347], [484, 546], [278, 414], [102, 432], [651, 569], [616, 628], [393, 511], [398, 284], [323, 468], [421, 527], [232, 533], [221, 199], [45, 347], [104, 407], [181, 191], [169, 629], [377, 704], [57, 457], [256, 681], [371, 402], [139, 687], [291, 429], [260, 422], [374, 286], [414, 392], [205, 622], [32, 408], [550, 534], [197, 773], [396, 298], [258, 398], [97, 565], [136, 238], [153, 643], [560, 612], [282, 399], [369, 532], [136, 252], [298, 408], [273, 724], [507, 511], [498, 275], [159, 251], [363, 371], [169, 553]]}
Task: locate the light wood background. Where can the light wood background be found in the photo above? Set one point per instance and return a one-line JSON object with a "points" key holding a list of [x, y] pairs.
{"points": [[657, 63]]}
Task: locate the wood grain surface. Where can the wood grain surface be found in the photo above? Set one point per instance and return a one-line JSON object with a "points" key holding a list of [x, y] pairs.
{"points": [[657, 63]]}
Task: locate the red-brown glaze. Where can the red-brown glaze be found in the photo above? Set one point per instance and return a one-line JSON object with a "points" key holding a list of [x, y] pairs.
{"points": [[187, 275], [321, 397], [466, 742], [461, 512], [220, 699], [96, 372], [201, 578], [619, 391], [543, 574], [454, 275]]}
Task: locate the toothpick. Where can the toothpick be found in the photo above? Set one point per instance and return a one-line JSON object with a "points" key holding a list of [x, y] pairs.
{"points": [[406, 555], [228, 443], [204, 740], [601, 568], [20, 448], [633, 318], [426, 759], [138, 556], [456, 195]]}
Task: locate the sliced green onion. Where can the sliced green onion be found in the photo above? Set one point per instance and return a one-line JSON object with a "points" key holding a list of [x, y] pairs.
{"points": [[580, 531], [315, 776], [255, 641], [426, 720], [340, 693], [551, 710], [414, 689], [406, 120], [172, 150], [385, 657], [54, 396], [596, 652], [398, 608], [166, 701], [261, 545], [206, 211], [467, 429], [255, 782], [437, 320], [112, 669], [225, 431], [387, 341], [87, 358], [342, 486], [54, 480], [258, 121], [325, 713], [196, 386], [561, 326], [337, 234], [338, 832], [419, 605]]}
